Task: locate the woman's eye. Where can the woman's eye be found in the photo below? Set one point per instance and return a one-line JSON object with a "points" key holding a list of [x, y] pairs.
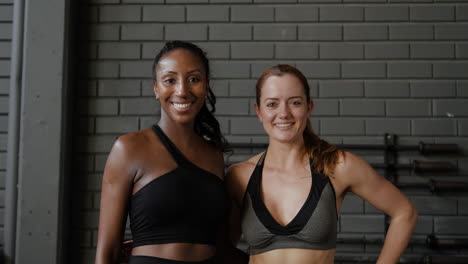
{"points": [[194, 79], [296, 103], [270, 104], [169, 81]]}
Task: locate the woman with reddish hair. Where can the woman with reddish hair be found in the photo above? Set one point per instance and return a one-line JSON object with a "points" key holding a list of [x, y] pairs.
{"points": [[289, 196]]}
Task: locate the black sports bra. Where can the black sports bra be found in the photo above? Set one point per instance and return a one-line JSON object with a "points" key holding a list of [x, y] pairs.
{"points": [[314, 226], [184, 205]]}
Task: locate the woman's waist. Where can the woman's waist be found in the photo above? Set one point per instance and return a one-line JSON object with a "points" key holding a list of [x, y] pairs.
{"points": [[294, 255], [176, 251]]}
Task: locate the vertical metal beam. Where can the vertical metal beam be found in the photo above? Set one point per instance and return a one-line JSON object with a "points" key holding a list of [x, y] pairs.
{"points": [[42, 156], [13, 132]]}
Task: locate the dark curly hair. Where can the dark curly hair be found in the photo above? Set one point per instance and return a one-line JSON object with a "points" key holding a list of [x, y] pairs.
{"points": [[206, 124]]}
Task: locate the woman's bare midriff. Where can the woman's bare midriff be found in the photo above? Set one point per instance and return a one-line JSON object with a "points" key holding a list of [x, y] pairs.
{"points": [[176, 251], [294, 255]]}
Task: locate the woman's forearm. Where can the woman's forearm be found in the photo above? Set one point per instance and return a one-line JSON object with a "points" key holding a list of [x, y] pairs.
{"points": [[398, 236]]}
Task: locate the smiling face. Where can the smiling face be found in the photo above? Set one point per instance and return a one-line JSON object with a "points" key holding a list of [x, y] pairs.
{"points": [[283, 108], [181, 85]]}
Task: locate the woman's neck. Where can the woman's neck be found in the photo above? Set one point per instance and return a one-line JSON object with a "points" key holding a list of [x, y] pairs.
{"points": [[287, 155]]}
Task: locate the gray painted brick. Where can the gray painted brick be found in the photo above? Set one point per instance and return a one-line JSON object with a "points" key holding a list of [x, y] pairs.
{"points": [[362, 107], [136, 69], [5, 49], [432, 50], [104, 1], [147, 87], [340, 89], [258, 67], [362, 223], [275, 1], [320, 69], [341, 13], [220, 87], [116, 124], [434, 127], [139, 106], [232, 106], [365, 32], [186, 1], [342, 126], [326, 107], [98, 106], [275, 32], [3, 123], [462, 88], [117, 50], [424, 225], [3, 146], [208, 13], [379, 127], [435, 205], [4, 86], [408, 107], [186, 32], [3, 157], [142, 32], [252, 50], [386, 88], [451, 31], [462, 13], [363, 69], [102, 69], [230, 32], [161, 13], [119, 13], [450, 70], [386, 51], [433, 89], [230, 1], [119, 88], [148, 121], [246, 126], [6, 13], [352, 204], [296, 51], [463, 206], [230, 69], [386, 13], [150, 49], [445, 107], [341, 51], [4, 68], [252, 13], [409, 69], [92, 14], [215, 50], [463, 127], [4, 103], [102, 32], [411, 32], [461, 50], [320, 32], [453, 225], [432, 13], [242, 88], [298, 13], [5, 31]]}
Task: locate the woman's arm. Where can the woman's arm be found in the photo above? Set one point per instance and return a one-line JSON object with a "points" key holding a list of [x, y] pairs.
{"points": [[116, 189], [362, 180]]}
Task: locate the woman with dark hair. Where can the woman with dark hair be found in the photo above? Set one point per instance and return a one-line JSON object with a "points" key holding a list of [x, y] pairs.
{"points": [[169, 178], [289, 196]]}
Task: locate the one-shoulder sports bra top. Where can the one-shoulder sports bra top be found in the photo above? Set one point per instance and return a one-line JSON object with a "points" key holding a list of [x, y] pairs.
{"points": [[314, 226], [184, 205]]}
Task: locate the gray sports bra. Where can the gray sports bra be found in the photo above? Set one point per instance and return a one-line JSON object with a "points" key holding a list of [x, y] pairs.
{"points": [[314, 226]]}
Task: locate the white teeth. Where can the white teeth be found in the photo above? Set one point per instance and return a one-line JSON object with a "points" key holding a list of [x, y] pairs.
{"points": [[284, 125], [181, 106]]}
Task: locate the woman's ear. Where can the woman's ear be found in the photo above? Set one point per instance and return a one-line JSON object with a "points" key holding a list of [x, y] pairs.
{"points": [[259, 114], [155, 89], [310, 106]]}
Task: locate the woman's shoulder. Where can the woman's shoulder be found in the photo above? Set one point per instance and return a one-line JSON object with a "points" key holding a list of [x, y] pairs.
{"points": [[135, 142], [238, 175]]}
